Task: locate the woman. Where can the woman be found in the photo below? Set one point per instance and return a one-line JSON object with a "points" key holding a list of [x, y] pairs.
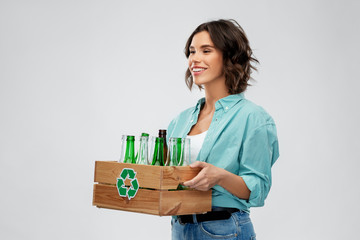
{"points": [[234, 140]]}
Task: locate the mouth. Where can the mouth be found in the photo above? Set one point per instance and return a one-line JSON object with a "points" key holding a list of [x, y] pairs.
{"points": [[198, 70]]}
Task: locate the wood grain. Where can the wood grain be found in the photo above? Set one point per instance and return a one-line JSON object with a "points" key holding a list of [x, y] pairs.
{"points": [[109, 171], [173, 176], [145, 201], [184, 202], [157, 177], [160, 197], [155, 202]]}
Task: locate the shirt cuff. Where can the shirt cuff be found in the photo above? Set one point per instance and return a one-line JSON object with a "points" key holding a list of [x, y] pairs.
{"points": [[257, 192]]}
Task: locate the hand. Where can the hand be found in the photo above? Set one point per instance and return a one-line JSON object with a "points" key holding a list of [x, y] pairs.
{"points": [[208, 177]]}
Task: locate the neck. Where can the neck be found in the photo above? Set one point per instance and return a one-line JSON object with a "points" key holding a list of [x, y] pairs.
{"points": [[213, 93]]}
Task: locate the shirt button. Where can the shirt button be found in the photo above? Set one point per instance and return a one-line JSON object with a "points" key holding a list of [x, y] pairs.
{"points": [[226, 108], [191, 120]]}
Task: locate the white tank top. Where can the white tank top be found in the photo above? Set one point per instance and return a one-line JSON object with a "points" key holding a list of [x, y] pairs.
{"points": [[196, 142]]}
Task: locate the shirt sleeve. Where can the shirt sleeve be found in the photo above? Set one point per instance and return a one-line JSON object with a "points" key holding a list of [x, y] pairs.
{"points": [[259, 152], [170, 129]]}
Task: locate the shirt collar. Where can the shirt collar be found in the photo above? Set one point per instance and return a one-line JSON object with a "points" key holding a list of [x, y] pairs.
{"points": [[226, 103], [199, 103]]}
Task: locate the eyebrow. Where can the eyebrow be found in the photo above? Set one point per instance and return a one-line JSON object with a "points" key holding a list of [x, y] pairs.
{"points": [[203, 46]]}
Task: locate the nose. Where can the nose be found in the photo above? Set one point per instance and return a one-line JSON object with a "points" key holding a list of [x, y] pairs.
{"points": [[194, 58]]}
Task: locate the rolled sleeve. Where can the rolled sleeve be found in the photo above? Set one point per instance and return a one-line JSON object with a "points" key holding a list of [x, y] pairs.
{"points": [[260, 151]]}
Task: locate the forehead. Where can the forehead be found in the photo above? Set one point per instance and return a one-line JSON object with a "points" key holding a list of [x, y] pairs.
{"points": [[201, 39]]}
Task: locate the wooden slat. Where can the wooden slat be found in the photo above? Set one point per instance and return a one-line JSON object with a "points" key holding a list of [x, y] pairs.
{"points": [[184, 202], [148, 176], [145, 201], [172, 176], [109, 171], [156, 202]]}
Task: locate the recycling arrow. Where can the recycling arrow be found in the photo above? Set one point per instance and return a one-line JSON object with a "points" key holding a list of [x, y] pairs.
{"points": [[129, 192]]}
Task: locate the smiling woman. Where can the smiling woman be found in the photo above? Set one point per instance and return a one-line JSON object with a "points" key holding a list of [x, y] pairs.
{"points": [[205, 61], [235, 139], [229, 40]]}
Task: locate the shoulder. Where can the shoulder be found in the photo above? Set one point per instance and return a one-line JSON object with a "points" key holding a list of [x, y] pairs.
{"points": [[260, 129], [184, 115], [180, 121], [255, 115]]}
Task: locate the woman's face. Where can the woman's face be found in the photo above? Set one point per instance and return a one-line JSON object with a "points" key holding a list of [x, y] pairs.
{"points": [[205, 61]]}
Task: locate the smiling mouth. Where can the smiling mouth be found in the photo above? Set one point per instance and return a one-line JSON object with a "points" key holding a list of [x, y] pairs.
{"points": [[198, 70]]}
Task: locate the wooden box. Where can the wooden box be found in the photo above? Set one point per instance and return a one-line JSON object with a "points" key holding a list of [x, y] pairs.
{"points": [[156, 192]]}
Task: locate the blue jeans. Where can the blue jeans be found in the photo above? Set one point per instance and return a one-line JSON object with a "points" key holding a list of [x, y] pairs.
{"points": [[238, 226]]}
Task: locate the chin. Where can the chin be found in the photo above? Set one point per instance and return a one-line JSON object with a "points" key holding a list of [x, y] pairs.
{"points": [[198, 82]]}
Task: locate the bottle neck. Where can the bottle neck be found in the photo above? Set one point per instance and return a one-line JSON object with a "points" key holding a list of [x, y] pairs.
{"points": [[162, 133]]}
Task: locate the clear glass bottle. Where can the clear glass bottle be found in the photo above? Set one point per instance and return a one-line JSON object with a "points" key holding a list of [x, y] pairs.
{"points": [[179, 152], [185, 158], [123, 148], [142, 153]]}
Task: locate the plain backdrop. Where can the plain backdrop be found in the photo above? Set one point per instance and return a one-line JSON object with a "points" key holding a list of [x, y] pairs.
{"points": [[76, 75]]}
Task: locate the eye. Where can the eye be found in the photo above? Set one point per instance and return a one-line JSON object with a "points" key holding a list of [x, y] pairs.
{"points": [[192, 51], [207, 51]]}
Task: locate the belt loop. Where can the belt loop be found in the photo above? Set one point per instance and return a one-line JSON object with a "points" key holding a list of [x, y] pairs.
{"points": [[194, 218]]}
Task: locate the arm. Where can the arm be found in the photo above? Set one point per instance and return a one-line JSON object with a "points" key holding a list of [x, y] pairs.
{"points": [[253, 181], [210, 176]]}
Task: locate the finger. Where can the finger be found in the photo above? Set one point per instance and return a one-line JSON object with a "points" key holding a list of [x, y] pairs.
{"points": [[195, 180], [201, 185]]}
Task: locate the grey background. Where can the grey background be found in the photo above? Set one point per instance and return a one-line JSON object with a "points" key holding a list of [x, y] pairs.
{"points": [[76, 75]]}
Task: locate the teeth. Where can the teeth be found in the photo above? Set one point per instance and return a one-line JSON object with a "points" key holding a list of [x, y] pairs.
{"points": [[198, 69]]}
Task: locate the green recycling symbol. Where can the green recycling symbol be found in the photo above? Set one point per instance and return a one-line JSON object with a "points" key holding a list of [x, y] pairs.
{"points": [[124, 191]]}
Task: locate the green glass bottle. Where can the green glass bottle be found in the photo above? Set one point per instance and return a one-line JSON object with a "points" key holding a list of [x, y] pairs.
{"points": [[130, 150], [158, 156], [180, 156]]}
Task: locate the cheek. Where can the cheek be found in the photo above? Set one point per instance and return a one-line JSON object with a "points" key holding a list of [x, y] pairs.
{"points": [[216, 62], [220, 64], [189, 63]]}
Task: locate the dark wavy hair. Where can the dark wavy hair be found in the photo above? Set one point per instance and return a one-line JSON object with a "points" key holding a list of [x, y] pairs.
{"points": [[229, 37]]}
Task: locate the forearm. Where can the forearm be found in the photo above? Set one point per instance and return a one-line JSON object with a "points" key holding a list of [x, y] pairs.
{"points": [[211, 175], [234, 184]]}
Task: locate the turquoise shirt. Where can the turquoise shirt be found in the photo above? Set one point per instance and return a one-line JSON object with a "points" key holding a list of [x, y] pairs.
{"points": [[241, 139]]}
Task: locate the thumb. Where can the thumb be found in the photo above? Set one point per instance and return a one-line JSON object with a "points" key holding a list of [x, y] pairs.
{"points": [[198, 164]]}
